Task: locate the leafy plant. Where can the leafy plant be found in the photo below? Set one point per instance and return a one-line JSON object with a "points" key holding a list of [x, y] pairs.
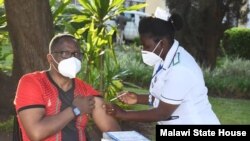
{"points": [[101, 67], [6, 56], [236, 42], [230, 78], [139, 74], [62, 11], [6, 126]]}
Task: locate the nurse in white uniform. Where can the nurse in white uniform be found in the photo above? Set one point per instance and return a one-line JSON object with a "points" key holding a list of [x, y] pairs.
{"points": [[178, 94]]}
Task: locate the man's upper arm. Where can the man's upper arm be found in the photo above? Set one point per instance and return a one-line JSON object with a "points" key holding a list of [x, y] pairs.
{"points": [[104, 121], [29, 94], [30, 117]]}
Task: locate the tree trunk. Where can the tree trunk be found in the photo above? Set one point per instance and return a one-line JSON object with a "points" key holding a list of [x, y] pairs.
{"points": [[30, 26], [202, 29], [5, 99]]}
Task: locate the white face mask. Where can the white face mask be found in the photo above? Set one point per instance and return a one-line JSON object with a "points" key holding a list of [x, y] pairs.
{"points": [[150, 58], [69, 67]]}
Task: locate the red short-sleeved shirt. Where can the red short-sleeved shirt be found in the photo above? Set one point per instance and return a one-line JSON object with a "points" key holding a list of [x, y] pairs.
{"points": [[36, 90]]}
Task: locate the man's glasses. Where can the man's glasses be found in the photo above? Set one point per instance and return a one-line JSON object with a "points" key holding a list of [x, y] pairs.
{"points": [[68, 54]]}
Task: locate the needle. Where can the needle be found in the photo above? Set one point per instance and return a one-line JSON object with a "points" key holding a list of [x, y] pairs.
{"points": [[118, 96]]}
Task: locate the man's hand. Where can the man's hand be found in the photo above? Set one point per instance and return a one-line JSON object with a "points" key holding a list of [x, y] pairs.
{"points": [[86, 104]]}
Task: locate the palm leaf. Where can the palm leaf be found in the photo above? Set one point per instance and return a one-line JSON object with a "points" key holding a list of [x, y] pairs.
{"points": [[136, 7], [61, 8]]}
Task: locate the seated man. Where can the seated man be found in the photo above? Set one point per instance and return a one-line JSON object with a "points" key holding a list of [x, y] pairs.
{"points": [[53, 105]]}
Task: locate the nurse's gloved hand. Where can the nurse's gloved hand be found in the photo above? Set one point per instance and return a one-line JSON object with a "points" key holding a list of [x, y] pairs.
{"points": [[129, 98]]}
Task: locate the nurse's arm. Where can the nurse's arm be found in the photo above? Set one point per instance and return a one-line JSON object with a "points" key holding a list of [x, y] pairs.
{"points": [[162, 112], [133, 98], [142, 99]]}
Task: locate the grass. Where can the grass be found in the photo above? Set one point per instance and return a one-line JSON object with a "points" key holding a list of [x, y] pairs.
{"points": [[231, 111]]}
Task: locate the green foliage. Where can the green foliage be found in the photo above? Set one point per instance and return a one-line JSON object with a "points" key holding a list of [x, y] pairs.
{"points": [[3, 23], [57, 7], [236, 42], [101, 68], [6, 56], [139, 74], [230, 78], [7, 125], [62, 11]]}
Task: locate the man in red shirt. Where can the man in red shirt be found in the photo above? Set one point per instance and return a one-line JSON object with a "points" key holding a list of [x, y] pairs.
{"points": [[53, 105]]}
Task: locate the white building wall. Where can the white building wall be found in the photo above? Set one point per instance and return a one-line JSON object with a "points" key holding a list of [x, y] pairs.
{"points": [[248, 16], [152, 4]]}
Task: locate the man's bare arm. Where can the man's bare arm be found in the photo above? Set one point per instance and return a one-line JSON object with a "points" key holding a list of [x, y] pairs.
{"points": [[104, 121], [39, 127]]}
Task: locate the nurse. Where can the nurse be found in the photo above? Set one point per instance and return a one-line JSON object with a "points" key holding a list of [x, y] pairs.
{"points": [[178, 94]]}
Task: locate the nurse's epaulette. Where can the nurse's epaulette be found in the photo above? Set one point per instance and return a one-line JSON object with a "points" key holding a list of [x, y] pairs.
{"points": [[176, 59]]}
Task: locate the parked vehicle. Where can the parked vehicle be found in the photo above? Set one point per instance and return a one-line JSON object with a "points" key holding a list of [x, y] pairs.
{"points": [[131, 28]]}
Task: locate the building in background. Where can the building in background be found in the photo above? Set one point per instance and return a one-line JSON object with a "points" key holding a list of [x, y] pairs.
{"points": [[152, 4], [75, 2], [134, 2], [248, 17]]}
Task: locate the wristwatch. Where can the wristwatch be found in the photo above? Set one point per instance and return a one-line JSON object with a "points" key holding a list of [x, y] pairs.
{"points": [[76, 110]]}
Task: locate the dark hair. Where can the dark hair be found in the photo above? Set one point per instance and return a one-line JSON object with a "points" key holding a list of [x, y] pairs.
{"points": [[57, 39], [158, 28]]}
